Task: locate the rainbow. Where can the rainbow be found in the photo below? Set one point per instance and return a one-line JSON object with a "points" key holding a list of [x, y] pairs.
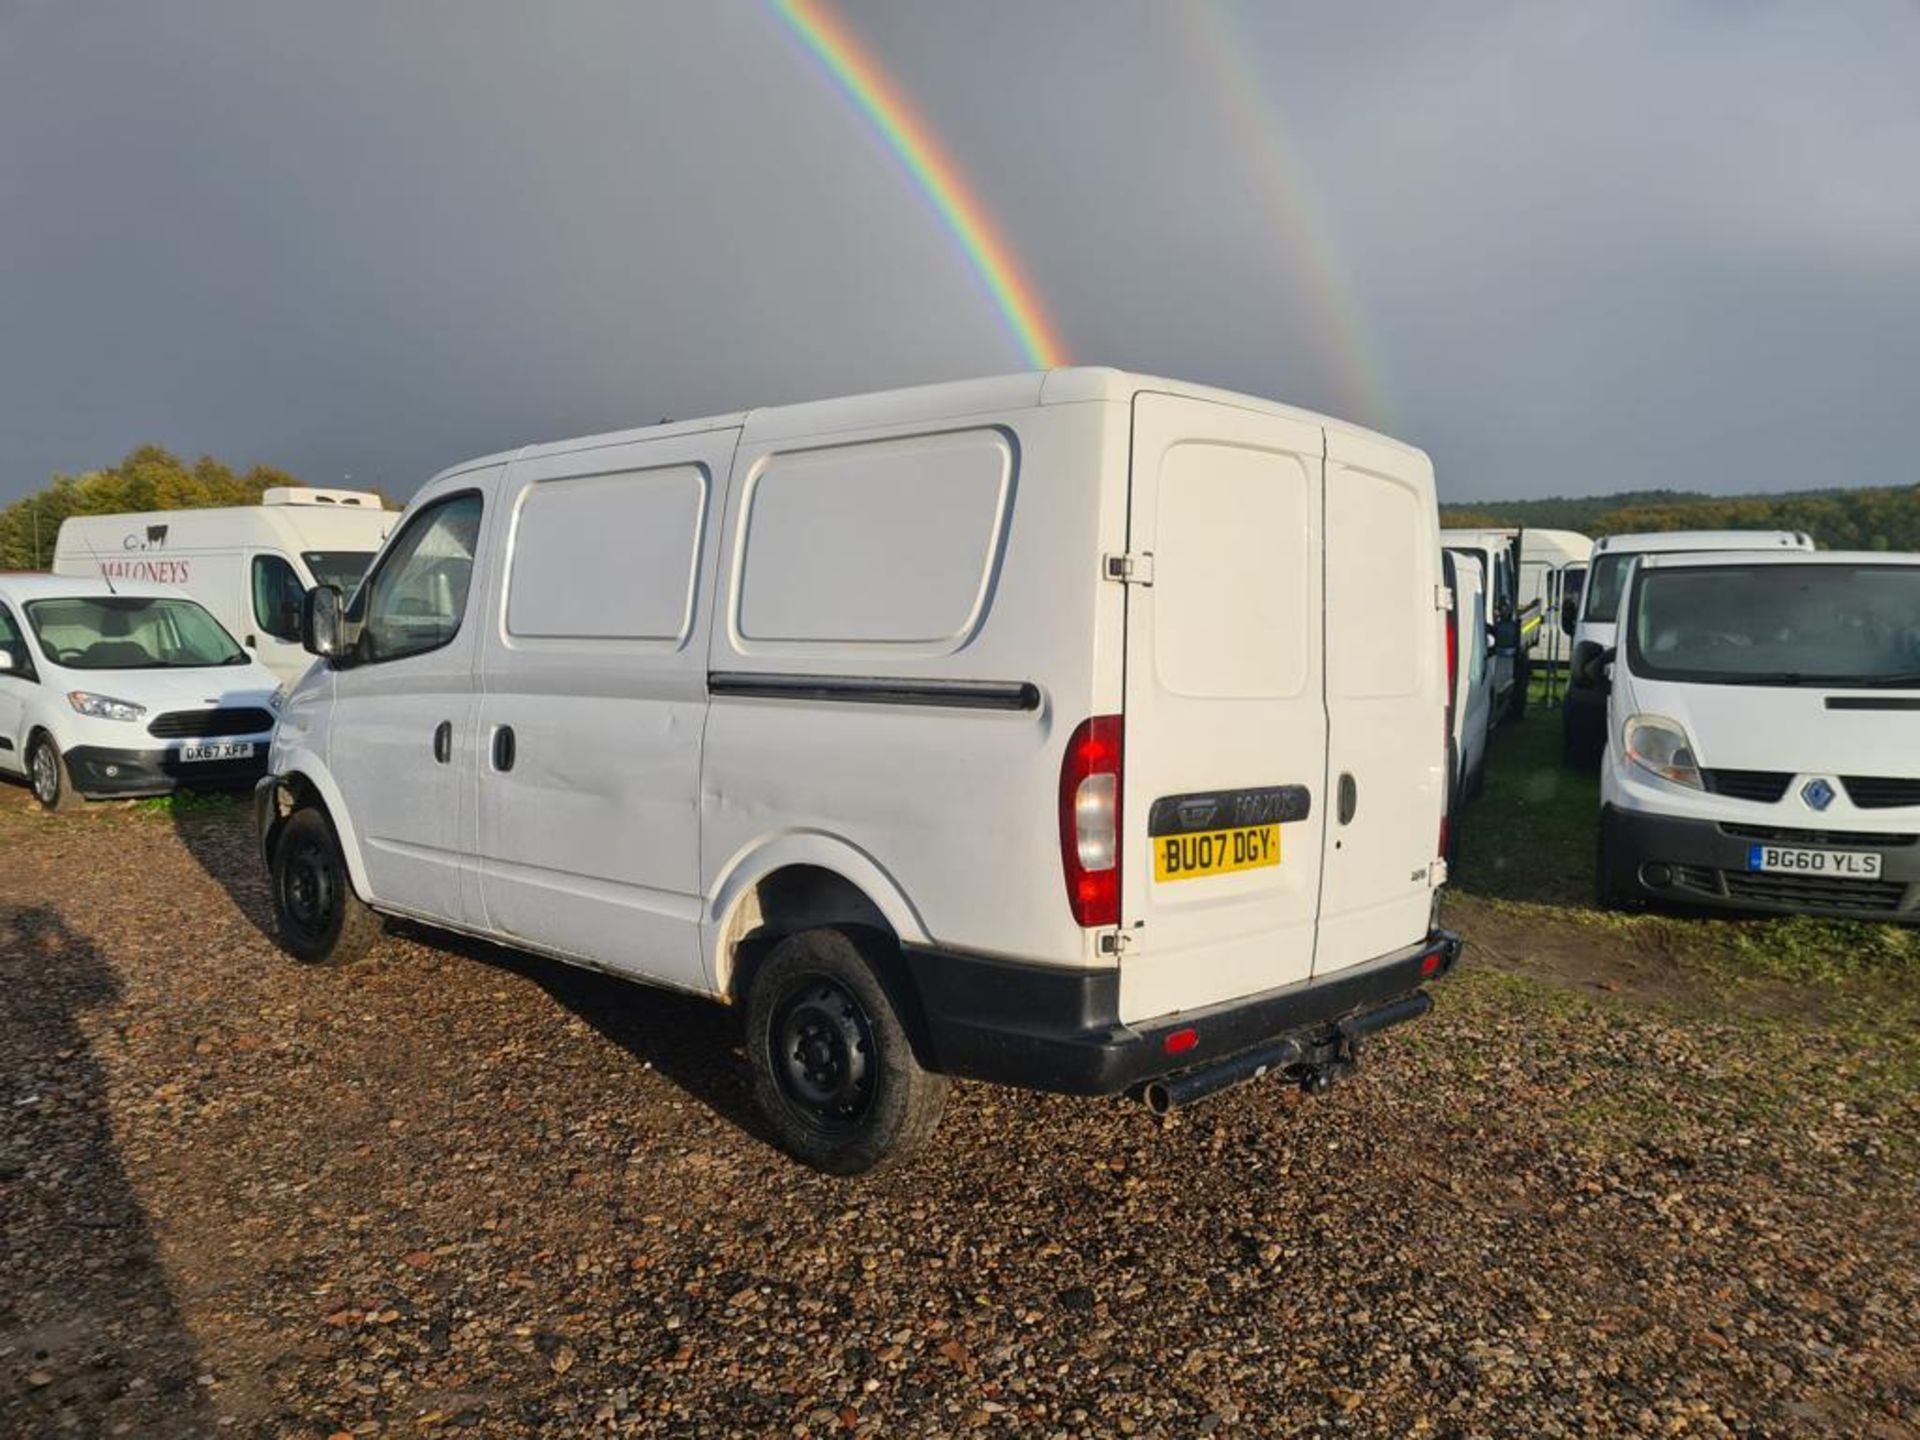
{"points": [[1258, 129], [906, 133]]}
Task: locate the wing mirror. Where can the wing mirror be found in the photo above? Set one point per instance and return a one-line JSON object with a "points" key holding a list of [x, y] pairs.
{"points": [[1570, 615], [320, 623], [1593, 664]]}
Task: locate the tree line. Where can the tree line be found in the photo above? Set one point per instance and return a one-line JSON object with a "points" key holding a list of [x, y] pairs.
{"points": [[1868, 519], [150, 478]]}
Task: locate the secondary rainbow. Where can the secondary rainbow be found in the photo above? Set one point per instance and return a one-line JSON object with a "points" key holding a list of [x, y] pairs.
{"points": [[1259, 131], [856, 72]]}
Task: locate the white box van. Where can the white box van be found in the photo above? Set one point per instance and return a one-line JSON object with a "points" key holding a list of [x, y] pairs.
{"points": [[1471, 711], [1553, 568], [1765, 725], [250, 565], [1513, 623], [1002, 729], [1583, 716]]}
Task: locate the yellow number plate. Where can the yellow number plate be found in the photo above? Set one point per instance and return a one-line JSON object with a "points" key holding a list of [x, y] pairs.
{"points": [[1215, 852]]}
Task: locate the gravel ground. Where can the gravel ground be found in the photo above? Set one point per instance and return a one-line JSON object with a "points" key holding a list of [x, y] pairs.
{"points": [[459, 1192]]}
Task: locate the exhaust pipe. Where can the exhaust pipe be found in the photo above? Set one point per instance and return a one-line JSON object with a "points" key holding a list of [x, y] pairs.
{"points": [[1165, 1096]]}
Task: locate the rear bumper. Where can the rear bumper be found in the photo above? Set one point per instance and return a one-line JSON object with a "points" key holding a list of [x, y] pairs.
{"points": [[1685, 861], [1059, 1030], [101, 772]]}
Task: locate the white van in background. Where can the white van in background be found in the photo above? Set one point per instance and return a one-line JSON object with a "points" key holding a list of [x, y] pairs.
{"points": [[1553, 566], [1765, 724], [1513, 626], [1583, 716], [1471, 712], [250, 565], [997, 729]]}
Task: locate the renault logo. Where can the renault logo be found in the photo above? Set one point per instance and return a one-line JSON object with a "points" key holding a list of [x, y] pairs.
{"points": [[1817, 793]]}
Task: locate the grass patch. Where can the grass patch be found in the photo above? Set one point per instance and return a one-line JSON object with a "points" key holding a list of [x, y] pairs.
{"points": [[190, 802]]}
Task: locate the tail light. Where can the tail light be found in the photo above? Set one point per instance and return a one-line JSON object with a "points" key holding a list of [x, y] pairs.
{"points": [[1090, 820]]}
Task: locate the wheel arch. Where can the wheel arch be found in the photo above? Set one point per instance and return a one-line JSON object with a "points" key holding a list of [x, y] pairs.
{"points": [[306, 782], [796, 882]]}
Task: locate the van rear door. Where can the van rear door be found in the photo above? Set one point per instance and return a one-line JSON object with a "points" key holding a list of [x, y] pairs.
{"points": [[1226, 735], [1386, 700]]}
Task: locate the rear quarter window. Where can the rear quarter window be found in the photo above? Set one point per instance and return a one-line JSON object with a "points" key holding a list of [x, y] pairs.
{"points": [[608, 557], [887, 543]]}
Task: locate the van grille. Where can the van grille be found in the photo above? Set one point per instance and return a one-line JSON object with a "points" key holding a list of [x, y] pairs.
{"points": [[1778, 835], [1766, 786], [1871, 792], [199, 724], [1876, 897]]}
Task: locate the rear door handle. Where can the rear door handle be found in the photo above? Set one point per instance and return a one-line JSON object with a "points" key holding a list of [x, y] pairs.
{"points": [[1349, 798], [443, 741], [503, 748]]}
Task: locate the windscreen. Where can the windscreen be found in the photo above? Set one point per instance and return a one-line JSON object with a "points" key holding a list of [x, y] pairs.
{"points": [[1604, 583], [130, 632], [1778, 625], [341, 569]]}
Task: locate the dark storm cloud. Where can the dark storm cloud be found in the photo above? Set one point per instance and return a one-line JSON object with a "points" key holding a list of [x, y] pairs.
{"points": [[1592, 247]]}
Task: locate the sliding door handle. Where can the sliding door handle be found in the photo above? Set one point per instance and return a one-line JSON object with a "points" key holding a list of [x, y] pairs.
{"points": [[1349, 798], [503, 748], [443, 741]]}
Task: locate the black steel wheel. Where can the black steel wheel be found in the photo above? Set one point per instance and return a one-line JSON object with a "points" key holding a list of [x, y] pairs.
{"points": [[834, 1071], [319, 918]]}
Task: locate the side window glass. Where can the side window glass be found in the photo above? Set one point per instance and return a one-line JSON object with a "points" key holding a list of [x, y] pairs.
{"points": [[415, 600], [14, 646], [277, 593]]}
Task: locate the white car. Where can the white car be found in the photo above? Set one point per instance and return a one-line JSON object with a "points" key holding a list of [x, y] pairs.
{"points": [[250, 565], [122, 690], [1583, 713], [1764, 752], [1005, 729]]}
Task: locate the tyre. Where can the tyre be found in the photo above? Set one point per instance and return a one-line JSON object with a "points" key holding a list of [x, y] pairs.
{"points": [[319, 918], [52, 781], [833, 1070]]}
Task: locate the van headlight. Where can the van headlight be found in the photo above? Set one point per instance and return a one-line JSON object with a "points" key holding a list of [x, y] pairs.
{"points": [[1661, 748], [104, 707]]}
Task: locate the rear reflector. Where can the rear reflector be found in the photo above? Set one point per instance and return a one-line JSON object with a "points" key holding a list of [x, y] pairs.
{"points": [[1181, 1041], [1429, 966], [1090, 820]]}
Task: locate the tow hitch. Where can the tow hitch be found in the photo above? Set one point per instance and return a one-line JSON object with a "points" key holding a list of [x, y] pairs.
{"points": [[1315, 1059]]}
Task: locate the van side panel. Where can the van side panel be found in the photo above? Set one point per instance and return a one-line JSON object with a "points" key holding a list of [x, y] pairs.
{"points": [[1386, 700], [594, 657], [1225, 726], [907, 694]]}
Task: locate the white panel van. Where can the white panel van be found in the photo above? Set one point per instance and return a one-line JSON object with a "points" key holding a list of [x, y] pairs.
{"points": [[1583, 715], [1764, 745], [1004, 729], [250, 565], [1513, 621], [1470, 713]]}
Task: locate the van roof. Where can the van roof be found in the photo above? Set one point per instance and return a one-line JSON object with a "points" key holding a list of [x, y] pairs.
{"points": [[1655, 541], [946, 401], [24, 587], [1694, 560]]}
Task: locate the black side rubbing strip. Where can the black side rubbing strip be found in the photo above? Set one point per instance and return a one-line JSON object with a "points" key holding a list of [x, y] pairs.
{"points": [[879, 690], [1873, 702]]}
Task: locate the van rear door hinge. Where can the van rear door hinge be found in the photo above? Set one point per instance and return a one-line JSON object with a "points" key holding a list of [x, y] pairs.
{"points": [[1442, 598], [1130, 569], [1115, 942]]}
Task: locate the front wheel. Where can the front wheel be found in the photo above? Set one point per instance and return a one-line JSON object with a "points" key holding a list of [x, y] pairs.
{"points": [[833, 1070], [319, 918], [51, 778]]}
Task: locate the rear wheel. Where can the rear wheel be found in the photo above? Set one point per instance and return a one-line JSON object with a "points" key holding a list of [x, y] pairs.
{"points": [[319, 918], [52, 781], [833, 1070]]}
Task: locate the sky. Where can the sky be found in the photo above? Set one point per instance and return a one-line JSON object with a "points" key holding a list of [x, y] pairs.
{"points": [[1567, 248]]}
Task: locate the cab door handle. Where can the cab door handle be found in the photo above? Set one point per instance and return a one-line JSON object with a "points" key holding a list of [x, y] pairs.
{"points": [[1349, 798], [503, 748], [443, 741]]}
